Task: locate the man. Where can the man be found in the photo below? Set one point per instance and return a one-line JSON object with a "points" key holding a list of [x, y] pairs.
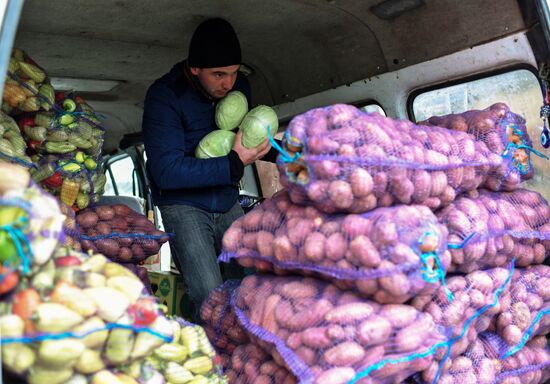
{"points": [[197, 198]]}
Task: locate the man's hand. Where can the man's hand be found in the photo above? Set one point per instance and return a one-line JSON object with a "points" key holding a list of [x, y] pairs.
{"points": [[250, 155]]}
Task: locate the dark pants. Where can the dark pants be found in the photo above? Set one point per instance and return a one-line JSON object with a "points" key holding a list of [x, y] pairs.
{"points": [[196, 246]]}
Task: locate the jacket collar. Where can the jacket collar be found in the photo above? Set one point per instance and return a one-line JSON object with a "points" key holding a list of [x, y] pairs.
{"points": [[193, 82]]}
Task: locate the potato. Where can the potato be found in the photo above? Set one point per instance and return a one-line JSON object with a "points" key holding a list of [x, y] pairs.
{"points": [[87, 219], [104, 212], [108, 247], [122, 210], [344, 354], [124, 255], [349, 313]]}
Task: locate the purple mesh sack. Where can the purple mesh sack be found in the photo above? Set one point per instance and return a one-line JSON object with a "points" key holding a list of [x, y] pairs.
{"points": [[326, 335], [220, 323], [477, 297], [343, 160], [481, 364], [119, 233], [389, 254], [528, 311], [503, 131], [503, 225], [250, 364]]}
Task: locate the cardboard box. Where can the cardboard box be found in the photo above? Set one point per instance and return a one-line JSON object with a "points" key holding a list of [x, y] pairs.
{"points": [[170, 290]]}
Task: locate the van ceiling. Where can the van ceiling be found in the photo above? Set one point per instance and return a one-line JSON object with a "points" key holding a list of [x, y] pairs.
{"points": [[295, 47]]}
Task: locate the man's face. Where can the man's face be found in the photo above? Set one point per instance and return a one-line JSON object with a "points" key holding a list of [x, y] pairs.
{"points": [[217, 81]]}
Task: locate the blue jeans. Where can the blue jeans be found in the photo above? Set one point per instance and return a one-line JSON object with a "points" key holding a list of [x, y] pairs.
{"points": [[195, 247]]}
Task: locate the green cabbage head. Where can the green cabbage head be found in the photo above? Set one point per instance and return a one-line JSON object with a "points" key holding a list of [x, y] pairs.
{"points": [[216, 144], [256, 123], [231, 110]]}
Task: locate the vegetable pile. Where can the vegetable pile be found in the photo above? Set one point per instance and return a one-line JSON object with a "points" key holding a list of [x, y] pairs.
{"points": [[480, 364], [220, 322], [384, 254], [61, 134], [343, 160], [249, 363], [503, 131], [27, 88], [189, 358], [476, 298], [66, 316], [523, 307], [12, 144], [504, 226], [99, 308], [327, 335], [67, 146], [376, 213], [119, 233]]}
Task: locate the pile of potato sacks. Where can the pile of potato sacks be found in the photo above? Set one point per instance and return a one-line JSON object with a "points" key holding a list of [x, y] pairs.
{"points": [[365, 278], [71, 317]]}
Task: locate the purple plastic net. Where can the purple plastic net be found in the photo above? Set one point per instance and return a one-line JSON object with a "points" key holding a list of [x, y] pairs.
{"points": [[389, 254], [220, 323], [503, 225], [503, 131], [477, 298], [250, 364], [525, 308], [480, 364], [326, 335], [119, 233], [343, 160]]}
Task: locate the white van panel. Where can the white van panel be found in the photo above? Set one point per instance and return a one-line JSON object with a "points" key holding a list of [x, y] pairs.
{"points": [[392, 89]]}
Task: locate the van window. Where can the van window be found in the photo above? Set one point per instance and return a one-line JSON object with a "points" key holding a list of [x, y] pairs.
{"points": [[121, 177], [519, 89], [373, 108]]}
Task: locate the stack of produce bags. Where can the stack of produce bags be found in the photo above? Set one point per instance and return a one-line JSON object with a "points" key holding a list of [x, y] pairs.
{"points": [[71, 317], [61, 134], [121, 234], [377, 306]]}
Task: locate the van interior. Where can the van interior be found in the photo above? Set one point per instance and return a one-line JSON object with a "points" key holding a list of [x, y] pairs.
{"points": [[408, 59]]}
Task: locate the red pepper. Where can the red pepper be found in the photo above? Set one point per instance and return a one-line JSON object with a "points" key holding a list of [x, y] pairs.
{"points": [[67, 261], [9, 279], [144, 311], [54, 181], [59, 97], [25, 121], [34, 145]]}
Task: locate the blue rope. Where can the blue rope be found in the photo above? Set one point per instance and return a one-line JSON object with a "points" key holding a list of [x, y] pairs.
{"points": [[527, 334], [126, 235], [463, 244], [428, 273], [17, 236], [81, 335], [284, 155]]}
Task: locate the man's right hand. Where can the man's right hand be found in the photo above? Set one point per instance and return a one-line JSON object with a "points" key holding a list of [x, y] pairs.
{"points": [[250, 155]]}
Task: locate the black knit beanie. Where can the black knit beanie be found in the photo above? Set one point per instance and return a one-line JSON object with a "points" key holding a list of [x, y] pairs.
{"points": [[214, 44]]}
